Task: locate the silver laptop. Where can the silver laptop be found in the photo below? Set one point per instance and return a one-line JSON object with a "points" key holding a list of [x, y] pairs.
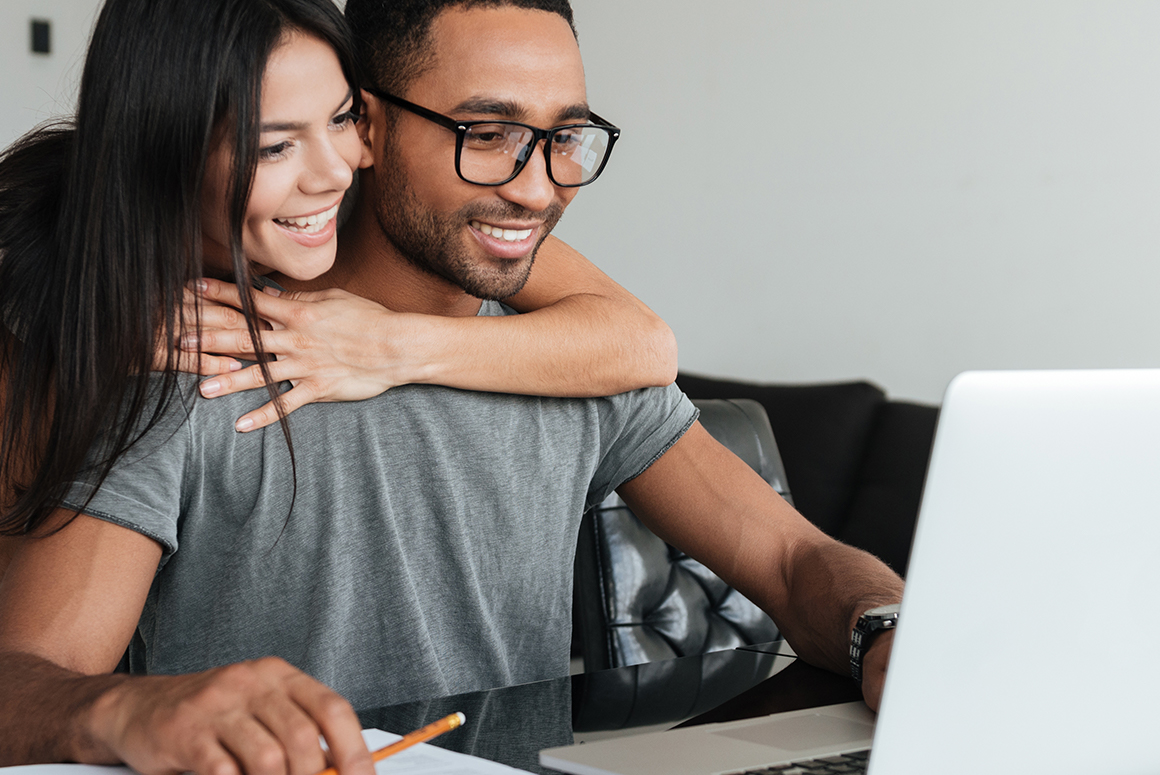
{"points": [[1030, 629]]}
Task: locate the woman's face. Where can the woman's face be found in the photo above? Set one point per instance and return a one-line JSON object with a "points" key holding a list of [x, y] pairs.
{"points": [[310, 148]]}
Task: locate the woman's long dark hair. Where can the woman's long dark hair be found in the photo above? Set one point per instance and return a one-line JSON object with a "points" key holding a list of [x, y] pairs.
{"points": [[100, 231]]}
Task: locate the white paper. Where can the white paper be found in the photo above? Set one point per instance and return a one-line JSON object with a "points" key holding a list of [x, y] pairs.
{"points": [[421, 759], [424, 759]]}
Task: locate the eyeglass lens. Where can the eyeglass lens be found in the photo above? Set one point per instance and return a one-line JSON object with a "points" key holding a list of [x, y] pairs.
{"points": [[492, 152]]}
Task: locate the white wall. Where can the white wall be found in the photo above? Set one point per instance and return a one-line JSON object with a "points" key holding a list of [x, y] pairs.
{"points": [[893, 190], [36, 87], [890, 189]]}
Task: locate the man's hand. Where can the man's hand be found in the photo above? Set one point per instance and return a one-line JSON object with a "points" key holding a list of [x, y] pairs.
{"points": [[874, 666], [259, 718], [330, 346], [70, 602]]}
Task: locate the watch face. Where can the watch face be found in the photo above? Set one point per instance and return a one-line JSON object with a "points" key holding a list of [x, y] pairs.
{"points": [[883, 610]]}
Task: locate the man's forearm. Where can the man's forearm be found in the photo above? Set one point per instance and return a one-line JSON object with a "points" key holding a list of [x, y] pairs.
{"points": [[44, 709], [830, 585]]}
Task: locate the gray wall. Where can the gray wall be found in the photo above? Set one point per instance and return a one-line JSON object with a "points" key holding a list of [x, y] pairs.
{"points": [[826, 190], [888, 189], [37, 87]]}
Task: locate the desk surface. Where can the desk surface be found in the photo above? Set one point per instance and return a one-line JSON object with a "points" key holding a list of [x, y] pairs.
{"points": [[512, 724]]}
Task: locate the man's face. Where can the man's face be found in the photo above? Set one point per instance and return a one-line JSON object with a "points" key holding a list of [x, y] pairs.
{"points": [[499, 64]]}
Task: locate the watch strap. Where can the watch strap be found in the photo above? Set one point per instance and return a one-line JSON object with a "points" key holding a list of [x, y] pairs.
{"points": [[870, 625]]}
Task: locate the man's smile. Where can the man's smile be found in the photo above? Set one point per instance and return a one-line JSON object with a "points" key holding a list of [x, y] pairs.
{"points": [[499, 232], [504, 241]]}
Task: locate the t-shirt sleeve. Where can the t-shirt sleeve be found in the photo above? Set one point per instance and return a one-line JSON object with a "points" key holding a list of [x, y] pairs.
{"points": [[143, 491], [636, 429]]}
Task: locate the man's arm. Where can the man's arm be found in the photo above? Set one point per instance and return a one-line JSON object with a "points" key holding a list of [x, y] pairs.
{"points": [[700, 497], [69, 603]]}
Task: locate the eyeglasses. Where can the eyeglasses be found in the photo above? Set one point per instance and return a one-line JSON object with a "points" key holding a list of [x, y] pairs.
{"points": [[491, 153]]}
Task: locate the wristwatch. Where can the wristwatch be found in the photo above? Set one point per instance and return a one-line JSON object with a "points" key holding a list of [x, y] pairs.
{"points": [[870, 624]]}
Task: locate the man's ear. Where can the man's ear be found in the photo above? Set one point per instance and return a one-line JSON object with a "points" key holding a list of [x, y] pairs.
{"points": [[366, 131]]}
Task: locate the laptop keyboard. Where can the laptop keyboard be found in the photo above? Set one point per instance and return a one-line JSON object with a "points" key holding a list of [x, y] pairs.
{"points": [[852, 762]]}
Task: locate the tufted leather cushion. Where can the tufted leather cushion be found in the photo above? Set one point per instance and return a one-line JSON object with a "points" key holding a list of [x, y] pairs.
{"points": [[821, 429], [638, 599], [856, 459]]}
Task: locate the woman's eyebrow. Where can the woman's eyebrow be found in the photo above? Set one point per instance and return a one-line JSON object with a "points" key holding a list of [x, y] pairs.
{"points": [[298, 126]]}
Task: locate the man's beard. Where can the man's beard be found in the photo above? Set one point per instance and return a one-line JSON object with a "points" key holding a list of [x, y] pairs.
{"points": [[434, 243]]}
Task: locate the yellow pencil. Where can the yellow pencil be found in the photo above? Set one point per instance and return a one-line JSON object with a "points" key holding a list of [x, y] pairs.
{"points": [[434, 729]]}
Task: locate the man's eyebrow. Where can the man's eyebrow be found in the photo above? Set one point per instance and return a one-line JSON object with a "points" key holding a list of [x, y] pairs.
{"points": [[513, 111], [575, 113], [298, 126]]}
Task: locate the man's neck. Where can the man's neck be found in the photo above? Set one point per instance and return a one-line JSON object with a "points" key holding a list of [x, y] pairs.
{"points": [[369, 265]]}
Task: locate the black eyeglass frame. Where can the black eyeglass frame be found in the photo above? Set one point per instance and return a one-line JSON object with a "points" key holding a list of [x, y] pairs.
{"points": [[460, 129]]}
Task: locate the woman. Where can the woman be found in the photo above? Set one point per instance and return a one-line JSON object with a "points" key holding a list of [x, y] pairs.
{"points": [[167, 176], [102, 226]]}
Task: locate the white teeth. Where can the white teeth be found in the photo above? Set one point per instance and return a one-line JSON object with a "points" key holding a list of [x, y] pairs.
{"points": [[308, 224], [508, 235]]}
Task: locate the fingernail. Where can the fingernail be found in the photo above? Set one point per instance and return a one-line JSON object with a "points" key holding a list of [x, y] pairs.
{"points": [[272, 291], [200, 285], [189, 341], [244, 424], [210, 387], [235, 366]]}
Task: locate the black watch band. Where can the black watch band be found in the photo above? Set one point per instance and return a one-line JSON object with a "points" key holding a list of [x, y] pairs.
{"points": [[869, 625]]}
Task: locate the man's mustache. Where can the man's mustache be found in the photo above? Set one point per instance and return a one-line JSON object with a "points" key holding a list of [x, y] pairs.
{"points": [[513, 212]]}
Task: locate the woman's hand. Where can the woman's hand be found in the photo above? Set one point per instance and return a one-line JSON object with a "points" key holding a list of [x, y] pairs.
{"points": [[213, 317], [331, 345], [582, 335]]}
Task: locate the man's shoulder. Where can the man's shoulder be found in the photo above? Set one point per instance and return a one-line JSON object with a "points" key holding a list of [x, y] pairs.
{"points": [[662, 399]]}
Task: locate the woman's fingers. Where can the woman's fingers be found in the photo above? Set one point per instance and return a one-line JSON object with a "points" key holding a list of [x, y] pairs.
{"points": [[239, 342], [291, 400], [320, 339], [296, 398], [215, 316], [203, 364], [270, 304], [248, 379], [218, 291], [207, 365]]}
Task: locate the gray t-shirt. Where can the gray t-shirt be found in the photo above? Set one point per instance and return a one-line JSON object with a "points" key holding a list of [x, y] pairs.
{"points": [[430, 547]]}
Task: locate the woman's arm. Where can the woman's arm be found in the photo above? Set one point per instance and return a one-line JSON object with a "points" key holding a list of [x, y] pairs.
{"points": [[582, 335]]}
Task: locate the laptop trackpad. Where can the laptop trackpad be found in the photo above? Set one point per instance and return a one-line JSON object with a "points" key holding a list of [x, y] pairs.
{"points": [[803, 732]]}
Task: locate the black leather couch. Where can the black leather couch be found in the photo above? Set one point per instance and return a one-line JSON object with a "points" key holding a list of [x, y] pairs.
{"points": [[639, 599], [854, 459], [855, 464]]}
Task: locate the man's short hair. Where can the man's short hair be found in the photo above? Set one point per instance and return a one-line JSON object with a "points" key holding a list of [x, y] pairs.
{"points": [[393, 37]]}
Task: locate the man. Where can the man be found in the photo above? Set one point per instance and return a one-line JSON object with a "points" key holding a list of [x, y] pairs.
{"points": [[429, 548]]}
